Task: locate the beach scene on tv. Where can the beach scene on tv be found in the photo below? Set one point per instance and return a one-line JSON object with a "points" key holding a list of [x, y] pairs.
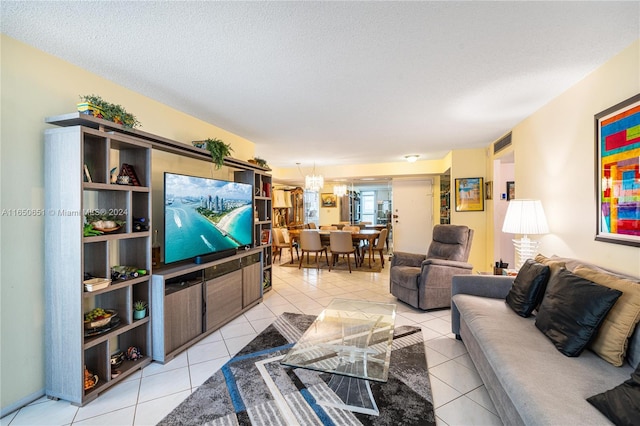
{"points": [[205, 216]]}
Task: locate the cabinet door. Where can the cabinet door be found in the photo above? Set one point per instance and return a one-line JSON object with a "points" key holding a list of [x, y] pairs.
{"points": [[251, 284], [224, 298], [183, 316]]}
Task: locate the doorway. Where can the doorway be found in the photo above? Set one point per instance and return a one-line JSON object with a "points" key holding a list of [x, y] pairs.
{"points": [[412, 218]]}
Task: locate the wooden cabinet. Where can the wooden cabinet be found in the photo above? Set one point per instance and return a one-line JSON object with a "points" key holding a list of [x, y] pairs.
{"points": [[78, 180], [191, 301]]}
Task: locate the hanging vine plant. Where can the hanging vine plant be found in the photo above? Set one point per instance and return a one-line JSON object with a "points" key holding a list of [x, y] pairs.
{"points": [[217, 148]]}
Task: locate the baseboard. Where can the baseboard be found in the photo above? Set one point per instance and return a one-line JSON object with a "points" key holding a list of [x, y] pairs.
{"points": [[21, 403]]}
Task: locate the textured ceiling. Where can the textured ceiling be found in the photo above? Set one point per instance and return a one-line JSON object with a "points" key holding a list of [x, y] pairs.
{"points": [[336, 83]]}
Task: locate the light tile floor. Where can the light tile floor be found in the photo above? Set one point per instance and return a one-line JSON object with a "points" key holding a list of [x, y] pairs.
{"points": [[145, 398]]}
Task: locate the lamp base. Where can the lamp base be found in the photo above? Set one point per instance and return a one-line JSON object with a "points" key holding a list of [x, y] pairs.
{"points": [[526, 249]]}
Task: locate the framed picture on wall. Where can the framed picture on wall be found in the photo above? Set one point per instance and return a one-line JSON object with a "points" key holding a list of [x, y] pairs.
{"points": [[511, 190], [328, 199], [617, 149], [469, 194]]}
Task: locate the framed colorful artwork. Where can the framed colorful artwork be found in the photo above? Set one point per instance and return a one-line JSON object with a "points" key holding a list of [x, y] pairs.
{"points": [[328, 200], [617, 149], [469, 194]]}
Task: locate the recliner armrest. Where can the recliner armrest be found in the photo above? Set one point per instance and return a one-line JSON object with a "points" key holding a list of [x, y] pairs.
{"points": [[407, 259], [492, 286], [444, 262]]}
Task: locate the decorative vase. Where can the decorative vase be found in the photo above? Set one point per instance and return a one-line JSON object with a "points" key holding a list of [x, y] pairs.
{"points": [[139, 314]]}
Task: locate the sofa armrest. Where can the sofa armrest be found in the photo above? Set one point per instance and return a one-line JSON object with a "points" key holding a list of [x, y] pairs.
{"points": [[492, 286], [407, 259]]}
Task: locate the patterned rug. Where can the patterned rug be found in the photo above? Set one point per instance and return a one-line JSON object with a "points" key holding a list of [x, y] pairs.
{"points": [[253, 388]]}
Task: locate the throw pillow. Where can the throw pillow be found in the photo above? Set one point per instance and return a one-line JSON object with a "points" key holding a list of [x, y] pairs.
{"points": [[528, 287], [612, 339], [621, 404], [572, 310]]}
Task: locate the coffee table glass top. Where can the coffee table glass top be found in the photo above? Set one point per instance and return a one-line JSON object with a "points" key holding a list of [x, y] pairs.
{"points": [[351, 338]]}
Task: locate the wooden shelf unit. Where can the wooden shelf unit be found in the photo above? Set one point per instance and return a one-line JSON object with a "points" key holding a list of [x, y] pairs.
{"points": [[69, 256], [101, 145]]}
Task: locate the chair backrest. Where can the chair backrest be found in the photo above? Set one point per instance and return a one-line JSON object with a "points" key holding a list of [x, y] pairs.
{"points": [[351, 228], [328, 228], [312, 225], [382, 239], [277, 236], [451, 242], [340, 241], [310, 240]]}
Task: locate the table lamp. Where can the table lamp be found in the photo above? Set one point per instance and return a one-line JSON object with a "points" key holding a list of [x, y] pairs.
{"points": [[525, 217]]}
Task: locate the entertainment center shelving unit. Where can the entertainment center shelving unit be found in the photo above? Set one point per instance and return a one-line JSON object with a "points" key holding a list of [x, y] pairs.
{"points": [[186, 301]]}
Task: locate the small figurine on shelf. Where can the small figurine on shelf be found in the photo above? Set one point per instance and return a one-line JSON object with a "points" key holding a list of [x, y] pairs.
{"points": [[133, 353]]}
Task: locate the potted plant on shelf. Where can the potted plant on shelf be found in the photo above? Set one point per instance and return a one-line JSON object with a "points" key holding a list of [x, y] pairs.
{"points": [[94, 104], [139, 309], [260, 162], [217, 148]]}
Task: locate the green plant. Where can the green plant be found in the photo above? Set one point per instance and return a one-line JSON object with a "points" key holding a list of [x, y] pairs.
{"points": [[140, 305], [218, 150], [260, 162], [112, 112]]}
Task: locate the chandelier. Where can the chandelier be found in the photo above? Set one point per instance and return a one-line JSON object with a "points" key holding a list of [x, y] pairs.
{"points": [[340, 190], [313, 182]]}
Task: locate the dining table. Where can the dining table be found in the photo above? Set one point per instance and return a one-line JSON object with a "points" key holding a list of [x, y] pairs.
{"points": [[368, 235]]}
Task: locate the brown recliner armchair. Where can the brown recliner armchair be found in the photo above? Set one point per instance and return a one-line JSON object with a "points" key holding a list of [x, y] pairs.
{"points": [[425, 281]]}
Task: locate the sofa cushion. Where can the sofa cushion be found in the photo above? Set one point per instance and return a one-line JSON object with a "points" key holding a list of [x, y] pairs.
{"points": [[612, 339], [572, 310], [621, 404], [528, 287]]}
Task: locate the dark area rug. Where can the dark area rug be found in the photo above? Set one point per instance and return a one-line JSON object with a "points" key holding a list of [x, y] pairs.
{"points": [[341, 265], [253, 388]]}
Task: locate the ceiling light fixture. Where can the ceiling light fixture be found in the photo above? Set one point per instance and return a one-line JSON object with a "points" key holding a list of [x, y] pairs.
{"points": [[411, 158], [340, 190], [312, 182]]}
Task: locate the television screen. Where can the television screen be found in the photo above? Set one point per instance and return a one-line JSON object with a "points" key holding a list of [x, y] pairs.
{"points": [[204, 216]]}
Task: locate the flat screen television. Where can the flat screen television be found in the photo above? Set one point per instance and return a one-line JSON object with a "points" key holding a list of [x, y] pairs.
{"points": [[205, 216]]}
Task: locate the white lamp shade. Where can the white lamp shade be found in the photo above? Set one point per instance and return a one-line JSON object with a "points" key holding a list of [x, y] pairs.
{"points": [[525, 217], [281, 199]]}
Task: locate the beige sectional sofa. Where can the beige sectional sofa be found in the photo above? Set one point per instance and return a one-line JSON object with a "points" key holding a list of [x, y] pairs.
{"points": [[527, 377]]}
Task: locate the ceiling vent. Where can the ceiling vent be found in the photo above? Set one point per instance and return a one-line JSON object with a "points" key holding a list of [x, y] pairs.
{"points": [[502, 143]]}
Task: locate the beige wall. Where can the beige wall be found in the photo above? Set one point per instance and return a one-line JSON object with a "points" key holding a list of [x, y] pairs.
{"points": [[35, 85], [554, 162], [470, 163]]}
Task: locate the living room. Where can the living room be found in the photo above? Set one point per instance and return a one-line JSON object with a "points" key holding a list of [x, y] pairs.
{"points": [[554, 162]]}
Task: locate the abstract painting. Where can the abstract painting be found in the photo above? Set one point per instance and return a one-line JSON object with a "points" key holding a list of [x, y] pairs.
{"points": [[617, 144]]}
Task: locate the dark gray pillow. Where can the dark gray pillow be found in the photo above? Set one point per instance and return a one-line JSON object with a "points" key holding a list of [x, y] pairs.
{"points": [[528, 287], [621, 404], [572, 310]]}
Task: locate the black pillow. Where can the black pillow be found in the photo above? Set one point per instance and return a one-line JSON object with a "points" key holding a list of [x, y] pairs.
{"points": [[528, 287], [572, 310], [621, 404]]}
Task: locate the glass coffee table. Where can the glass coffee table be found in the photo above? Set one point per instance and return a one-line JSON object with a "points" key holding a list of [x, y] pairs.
{"points": [[351, 339]]}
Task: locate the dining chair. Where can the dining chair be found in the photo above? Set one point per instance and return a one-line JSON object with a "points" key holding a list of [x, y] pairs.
{"points": [[379, 245], [310, 243], [280, 243], [328, 228], [340, 242], [356, 244], [312, 225]]}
